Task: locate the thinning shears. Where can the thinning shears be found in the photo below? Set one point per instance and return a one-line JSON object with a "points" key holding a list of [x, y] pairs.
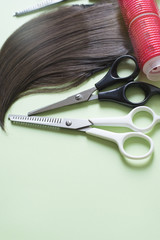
{"points": [[86, 125], [118, 95]]}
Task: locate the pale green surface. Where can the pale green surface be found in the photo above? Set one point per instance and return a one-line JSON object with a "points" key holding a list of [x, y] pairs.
{"points": [[61, 185]]}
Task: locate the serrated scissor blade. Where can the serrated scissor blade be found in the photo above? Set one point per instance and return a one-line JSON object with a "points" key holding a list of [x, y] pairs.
{"points": [[52, 122]]}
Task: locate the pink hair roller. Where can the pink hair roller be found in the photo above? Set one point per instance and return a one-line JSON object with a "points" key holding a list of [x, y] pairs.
{"points": [[143, 22]]}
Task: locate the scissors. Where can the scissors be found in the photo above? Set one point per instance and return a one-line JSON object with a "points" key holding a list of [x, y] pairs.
{"points": [[86, 125], [116, 95], [109, 79]]}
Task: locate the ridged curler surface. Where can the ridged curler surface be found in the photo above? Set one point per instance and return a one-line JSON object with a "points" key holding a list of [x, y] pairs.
{"points": [[133, 8], [143, 22], [145, 36]]}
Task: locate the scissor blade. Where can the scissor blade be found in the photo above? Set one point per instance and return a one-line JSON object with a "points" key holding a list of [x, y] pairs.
{"points": [[52, 122], [77, 98]]}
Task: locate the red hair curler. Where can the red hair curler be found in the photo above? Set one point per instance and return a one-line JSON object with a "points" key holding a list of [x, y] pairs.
{"points": [[143, 21]]}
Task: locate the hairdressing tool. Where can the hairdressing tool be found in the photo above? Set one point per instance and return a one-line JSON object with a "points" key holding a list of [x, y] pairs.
{"points": [[109, 79], [37, 6], [86, 126], [143, 21], [115, 95]]}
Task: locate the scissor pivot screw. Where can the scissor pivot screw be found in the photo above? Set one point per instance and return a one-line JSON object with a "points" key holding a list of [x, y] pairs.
{"points": [[68, 123], [78, 97]]}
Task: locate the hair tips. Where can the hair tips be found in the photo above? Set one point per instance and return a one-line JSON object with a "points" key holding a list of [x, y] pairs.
{"points": [[59, 50]]}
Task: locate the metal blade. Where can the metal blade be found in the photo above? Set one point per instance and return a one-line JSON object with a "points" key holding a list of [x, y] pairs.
{"points": [[77, 98], [52, 122]]}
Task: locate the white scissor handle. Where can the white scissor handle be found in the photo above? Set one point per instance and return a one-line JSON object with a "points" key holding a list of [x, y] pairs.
{"points": [[155, 118], [127, 121], [120, 139]]}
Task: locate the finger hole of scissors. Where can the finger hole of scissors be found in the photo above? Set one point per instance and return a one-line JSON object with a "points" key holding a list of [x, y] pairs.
{"points": [[137, 146], [127, 63], [142, 118], [135, 94]]}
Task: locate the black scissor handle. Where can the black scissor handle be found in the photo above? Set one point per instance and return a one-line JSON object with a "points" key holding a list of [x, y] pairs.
{"points": [[112, 75], [119, 94]]}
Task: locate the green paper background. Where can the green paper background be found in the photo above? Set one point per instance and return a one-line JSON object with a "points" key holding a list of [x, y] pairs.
{"points": [[64, 185]]}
